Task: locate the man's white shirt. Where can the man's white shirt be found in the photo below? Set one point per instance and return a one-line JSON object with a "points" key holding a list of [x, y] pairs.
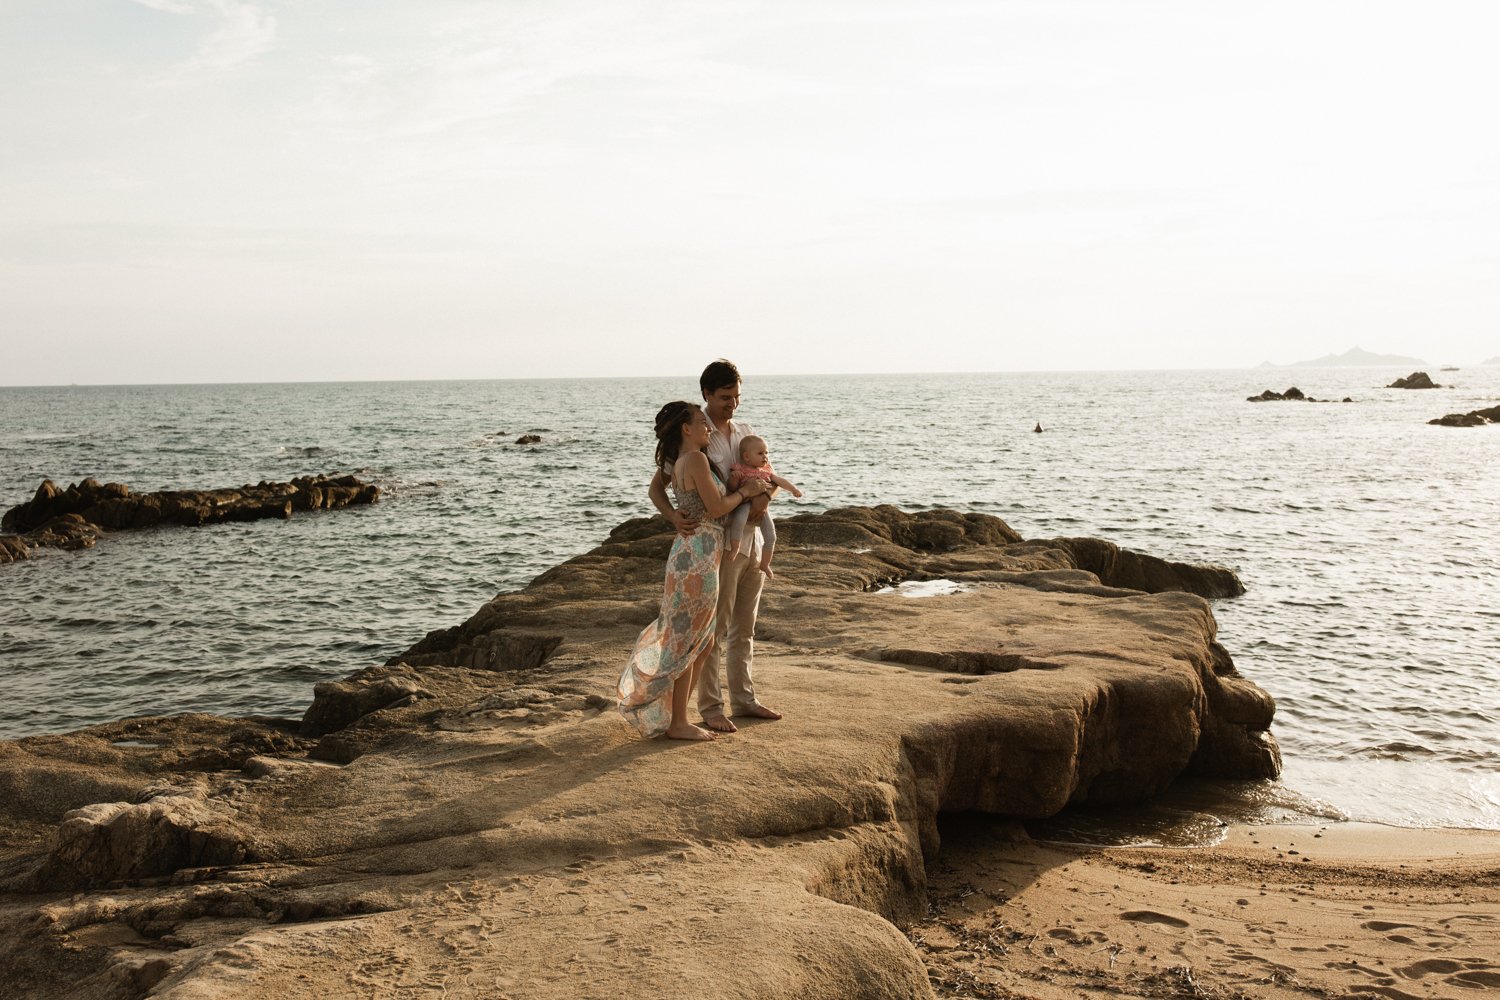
{"points": [[723, 451]]}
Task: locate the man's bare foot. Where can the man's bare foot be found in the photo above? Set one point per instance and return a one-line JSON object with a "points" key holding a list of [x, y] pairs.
{"points": [[759, 711], [719, 724], [688, 731]]}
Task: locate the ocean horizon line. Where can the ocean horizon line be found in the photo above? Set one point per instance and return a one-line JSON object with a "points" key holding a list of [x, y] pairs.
{"points": [[688, 375]]}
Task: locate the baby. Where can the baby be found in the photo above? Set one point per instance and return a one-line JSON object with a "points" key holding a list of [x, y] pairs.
{"points": [[754, 463]]}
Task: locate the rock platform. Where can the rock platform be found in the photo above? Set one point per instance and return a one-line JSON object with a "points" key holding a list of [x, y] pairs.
{"points": [[473, 819]]}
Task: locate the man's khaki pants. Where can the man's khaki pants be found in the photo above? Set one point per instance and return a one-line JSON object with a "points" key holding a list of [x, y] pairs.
{"points": [[740, 581]]}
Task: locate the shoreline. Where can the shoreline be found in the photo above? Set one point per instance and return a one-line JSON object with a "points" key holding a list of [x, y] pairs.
{"points": [[1336, 909]]}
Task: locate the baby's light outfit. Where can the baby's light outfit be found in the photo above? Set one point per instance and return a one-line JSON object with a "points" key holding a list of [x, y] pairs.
{"points": [[766, 527]]}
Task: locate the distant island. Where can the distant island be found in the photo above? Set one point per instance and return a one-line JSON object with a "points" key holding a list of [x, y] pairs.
{"points": [[1355, 357], [1492, 361]]}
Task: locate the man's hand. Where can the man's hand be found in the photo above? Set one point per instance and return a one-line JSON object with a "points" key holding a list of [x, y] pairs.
{"points": [[684, 522]]}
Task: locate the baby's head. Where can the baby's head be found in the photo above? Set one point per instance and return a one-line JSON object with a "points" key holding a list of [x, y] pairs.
{"points": [[753, 452]]}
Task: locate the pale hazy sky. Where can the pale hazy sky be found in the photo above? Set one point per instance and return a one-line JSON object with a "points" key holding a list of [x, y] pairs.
{"points": [[275, 190]]}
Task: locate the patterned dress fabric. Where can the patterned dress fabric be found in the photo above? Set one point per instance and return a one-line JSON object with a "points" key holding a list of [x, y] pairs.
{"points": [[683, 634]]}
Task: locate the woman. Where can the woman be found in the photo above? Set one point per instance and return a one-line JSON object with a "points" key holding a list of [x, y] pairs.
{"points": [[663, 669]]}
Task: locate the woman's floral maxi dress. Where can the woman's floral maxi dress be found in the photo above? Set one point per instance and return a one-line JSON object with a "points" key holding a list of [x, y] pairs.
{"points": [[683, 634]]}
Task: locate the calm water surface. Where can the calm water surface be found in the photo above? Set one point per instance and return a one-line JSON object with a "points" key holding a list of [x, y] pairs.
{"points": [[1367, 539]]}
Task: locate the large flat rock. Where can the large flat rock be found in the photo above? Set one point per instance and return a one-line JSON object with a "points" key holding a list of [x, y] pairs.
{"points": [[482, 823]]}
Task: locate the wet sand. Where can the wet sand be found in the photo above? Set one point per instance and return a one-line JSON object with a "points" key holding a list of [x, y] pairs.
{"points": [[1334, 910]]}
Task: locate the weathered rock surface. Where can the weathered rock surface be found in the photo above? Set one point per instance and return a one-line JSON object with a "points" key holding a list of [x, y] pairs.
{"points": [[496, 830], [1416, 380], [1474, 418], [76, 517], [337, 704]]}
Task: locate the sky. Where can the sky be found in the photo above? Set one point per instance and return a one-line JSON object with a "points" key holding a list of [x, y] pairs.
{"points": [[293, 190]]}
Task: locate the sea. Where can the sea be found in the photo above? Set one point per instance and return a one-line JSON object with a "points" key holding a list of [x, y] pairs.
{"points": [[1367, 539]]}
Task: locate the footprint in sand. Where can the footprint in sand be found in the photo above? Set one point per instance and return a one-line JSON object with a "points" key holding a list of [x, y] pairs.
{"points": [[1466, 973], [1152, 917], [1476, 980], [1429, 967], [1439, 940], [1384, 991], [1379, 977]]}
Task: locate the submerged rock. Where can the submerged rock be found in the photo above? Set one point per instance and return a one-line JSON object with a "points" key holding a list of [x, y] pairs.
{"points": [[499, 829]]}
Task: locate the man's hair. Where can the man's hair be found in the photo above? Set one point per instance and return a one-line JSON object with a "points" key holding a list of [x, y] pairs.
{"points": [[718, 375]]}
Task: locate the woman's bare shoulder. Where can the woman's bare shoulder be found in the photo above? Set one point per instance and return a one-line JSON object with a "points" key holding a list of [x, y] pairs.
{"points": [[690, 466]]}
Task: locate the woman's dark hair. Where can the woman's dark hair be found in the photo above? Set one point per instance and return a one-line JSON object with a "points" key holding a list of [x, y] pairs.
{"points": [[669, 422], [718, 375]]}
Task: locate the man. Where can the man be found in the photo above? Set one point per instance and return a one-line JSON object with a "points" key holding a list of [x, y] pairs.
{"points": [[740, 578]]}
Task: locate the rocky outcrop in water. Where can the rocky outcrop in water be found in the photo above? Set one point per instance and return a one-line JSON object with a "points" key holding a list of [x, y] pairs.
{"points": [[1270, 395], [76, 517], [493, 828], [1293, 393], [1474, 418], [1416, 380]]}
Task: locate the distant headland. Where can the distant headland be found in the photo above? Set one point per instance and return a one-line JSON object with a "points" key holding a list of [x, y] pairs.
{"points": [[1355, 357]]}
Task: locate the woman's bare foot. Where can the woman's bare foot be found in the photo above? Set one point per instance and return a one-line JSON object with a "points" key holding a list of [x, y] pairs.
{"points": [[759, 711], [688, 731], [719, 724]]}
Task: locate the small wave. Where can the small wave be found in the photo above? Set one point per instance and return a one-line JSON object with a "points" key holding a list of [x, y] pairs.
{"points": [[1393, 750], [86, 623]]}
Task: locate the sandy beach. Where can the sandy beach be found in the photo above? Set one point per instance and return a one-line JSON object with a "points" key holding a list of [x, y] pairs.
{"points": [[1336, 910]]}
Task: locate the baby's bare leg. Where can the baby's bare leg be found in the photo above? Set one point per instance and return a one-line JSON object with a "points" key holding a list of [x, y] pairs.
{"points": [[767, 528], [733, 530]]}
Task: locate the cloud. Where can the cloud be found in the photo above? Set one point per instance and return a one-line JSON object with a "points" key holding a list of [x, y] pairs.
{"points": [[244, 33], [170, 6]]}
